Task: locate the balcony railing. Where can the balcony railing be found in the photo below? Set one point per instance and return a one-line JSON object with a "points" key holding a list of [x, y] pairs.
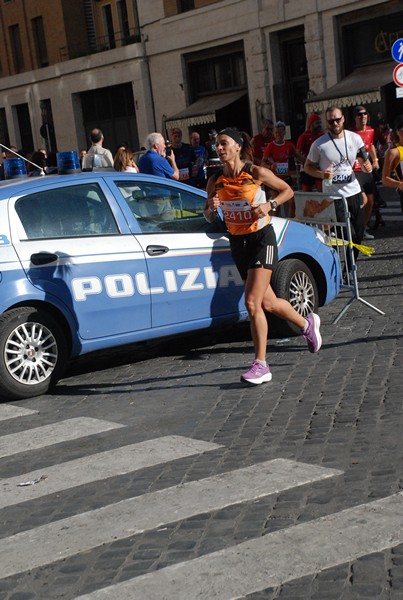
{"points": [[100, 44]]}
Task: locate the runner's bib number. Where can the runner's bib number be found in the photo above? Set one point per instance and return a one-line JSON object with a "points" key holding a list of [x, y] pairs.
{"points": [[342, 175], [183, 174], [282, 168], [237, 212]]}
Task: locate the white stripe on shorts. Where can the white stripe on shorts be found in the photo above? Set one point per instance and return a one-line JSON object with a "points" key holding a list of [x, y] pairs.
{"points": [[269, 255]]}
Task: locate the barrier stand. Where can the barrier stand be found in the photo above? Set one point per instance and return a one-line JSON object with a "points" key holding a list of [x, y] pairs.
{"points": [[331, 215]]}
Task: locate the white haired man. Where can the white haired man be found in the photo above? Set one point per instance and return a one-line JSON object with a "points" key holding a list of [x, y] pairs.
{"points": [[157, 160]]}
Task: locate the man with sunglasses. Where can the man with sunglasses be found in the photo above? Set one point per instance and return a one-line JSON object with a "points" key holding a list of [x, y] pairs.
{"points": [[332, 157]]}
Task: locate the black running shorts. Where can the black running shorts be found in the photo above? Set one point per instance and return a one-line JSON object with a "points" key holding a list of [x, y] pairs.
{"points": [[366, 182], [254, 250]]}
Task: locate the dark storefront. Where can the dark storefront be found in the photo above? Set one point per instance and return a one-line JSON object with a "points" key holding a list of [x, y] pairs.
{"points": [[112, 110], [291, 82], [24, 126], [366, 65]]}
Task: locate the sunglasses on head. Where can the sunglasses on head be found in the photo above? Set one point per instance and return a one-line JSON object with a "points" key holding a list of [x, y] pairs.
{"points": [[333, 121]]}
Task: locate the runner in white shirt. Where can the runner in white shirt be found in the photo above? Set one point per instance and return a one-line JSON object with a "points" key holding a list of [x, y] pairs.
{"points": [[331, 158]]}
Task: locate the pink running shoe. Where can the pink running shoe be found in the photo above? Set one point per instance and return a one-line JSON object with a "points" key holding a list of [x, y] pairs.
{"points": [[257, 373], [312, 334]]}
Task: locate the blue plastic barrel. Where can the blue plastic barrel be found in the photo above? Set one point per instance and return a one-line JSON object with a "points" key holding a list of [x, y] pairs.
{"points": [[14, 168], [68, 163]]}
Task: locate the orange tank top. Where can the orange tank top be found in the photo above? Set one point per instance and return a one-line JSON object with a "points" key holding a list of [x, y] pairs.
{"points": [[237, 197]]}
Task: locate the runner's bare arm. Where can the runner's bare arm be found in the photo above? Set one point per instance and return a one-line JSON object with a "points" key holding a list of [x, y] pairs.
{"points": [[266, 177], [390, 164], [212, 201]]}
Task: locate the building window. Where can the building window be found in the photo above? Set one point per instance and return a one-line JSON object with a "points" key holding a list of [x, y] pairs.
{"points": [[123, 20], [47, 129], [15, 40], [40, 42], [185, 5], [217, 74], [110, 41], [4, 136]]}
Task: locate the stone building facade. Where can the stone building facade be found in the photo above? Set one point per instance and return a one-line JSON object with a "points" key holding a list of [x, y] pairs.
{"points": [[135, 66]]}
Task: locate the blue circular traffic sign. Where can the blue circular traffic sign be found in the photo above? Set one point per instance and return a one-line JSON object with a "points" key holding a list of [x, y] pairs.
{"points": [[397, 50]]}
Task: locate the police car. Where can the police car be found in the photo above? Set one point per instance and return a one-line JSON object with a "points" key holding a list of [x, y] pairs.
{"points": [[95, 260]]}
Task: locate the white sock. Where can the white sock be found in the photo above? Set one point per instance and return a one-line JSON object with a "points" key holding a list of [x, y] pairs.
{"points": [[305, 326]]}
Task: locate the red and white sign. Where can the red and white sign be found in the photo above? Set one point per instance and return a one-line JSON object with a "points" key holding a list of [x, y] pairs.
{"points": [[398, 74]]}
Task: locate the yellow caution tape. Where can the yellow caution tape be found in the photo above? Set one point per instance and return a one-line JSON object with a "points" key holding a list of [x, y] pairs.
{"points": [[368, 250]]}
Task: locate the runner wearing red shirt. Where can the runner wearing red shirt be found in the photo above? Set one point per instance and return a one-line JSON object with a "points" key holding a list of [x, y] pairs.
{"points": [[277, 158], [304, 143], [366, 180], [261, 141]]}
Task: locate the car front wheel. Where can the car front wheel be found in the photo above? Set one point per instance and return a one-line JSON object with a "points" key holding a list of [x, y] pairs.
{"points": [[293, 281], [33, 353]]}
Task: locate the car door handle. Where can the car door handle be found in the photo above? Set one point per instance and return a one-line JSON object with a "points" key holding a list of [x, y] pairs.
{"points": [[43, 258], [156, 250]]}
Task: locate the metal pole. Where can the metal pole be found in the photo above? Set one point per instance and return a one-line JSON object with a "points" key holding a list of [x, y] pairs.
{"points": [[353, 268]]}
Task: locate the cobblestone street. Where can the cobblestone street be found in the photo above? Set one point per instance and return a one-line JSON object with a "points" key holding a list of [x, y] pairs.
{"points": [[122, 519]]}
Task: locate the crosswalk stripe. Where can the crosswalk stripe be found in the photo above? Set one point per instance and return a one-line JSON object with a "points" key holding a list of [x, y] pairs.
{"points": [[393, 210], [41, 437], [391, 214], [96, 467], [9, 411], [273, 559], [80, 533]]}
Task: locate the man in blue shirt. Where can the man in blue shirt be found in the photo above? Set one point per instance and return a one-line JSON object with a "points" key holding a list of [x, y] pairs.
{"points": [[156, 161], [184, 156], [198, 172]]}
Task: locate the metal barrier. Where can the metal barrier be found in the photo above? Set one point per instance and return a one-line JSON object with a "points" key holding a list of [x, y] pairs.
{"points": [[331, 215]]}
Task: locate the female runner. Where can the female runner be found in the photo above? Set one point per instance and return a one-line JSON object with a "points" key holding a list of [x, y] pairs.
{"points": [[392, 172], [237, 189]]}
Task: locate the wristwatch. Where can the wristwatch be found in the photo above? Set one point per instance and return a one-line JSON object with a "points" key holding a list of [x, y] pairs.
{"points": [[273, 205]]}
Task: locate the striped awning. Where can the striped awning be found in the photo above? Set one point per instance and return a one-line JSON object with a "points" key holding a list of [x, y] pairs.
{"points": [[203, 110], [361, 87]]}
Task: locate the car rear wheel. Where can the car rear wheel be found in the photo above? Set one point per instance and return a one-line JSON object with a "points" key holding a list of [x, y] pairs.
{"points": [[33, 353], [293, 281]]}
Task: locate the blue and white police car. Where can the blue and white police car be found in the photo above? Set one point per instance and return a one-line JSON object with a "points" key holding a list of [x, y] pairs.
{"points": [[95, 260]]}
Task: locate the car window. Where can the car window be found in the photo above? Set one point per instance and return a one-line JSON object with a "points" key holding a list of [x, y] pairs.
{"points": [[162, 208], [71, 211]]}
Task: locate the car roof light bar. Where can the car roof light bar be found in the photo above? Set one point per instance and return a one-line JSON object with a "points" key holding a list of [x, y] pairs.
{"points": [[42, 172]]}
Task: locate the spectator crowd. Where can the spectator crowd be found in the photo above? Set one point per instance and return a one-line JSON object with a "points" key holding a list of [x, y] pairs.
{"points": [[195, 161]]}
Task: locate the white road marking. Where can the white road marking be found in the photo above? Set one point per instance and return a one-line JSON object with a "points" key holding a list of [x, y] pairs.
{"points": [[273, 559], [79, 533], [41, 437], [99, 466], [9, 411]]}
